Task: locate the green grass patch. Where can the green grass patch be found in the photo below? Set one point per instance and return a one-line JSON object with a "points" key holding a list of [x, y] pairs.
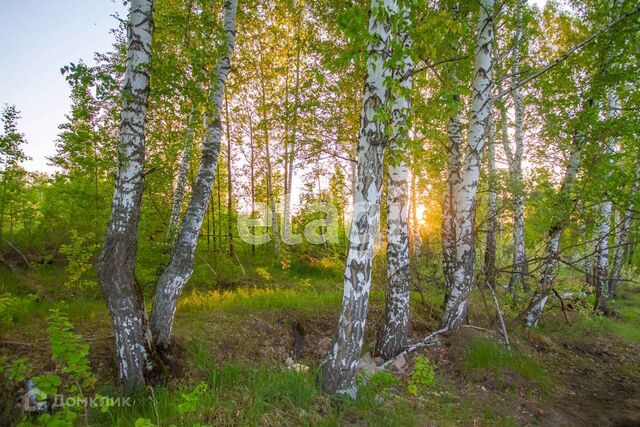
{"points": [[484, 355]]}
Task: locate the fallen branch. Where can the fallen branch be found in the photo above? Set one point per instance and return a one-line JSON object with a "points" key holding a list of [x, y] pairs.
{"points": [[564, 310], [425, 342], [502, 325]]}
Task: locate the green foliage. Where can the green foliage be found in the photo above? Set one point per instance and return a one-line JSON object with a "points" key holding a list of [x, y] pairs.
{"points": [[79, 253], [423, 376], [67, 350]]}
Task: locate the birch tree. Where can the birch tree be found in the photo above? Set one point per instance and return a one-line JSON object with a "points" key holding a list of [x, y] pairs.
{"points": [[550, 263], [518, 275], [339, 365], [622, 237], [466, 189], [181, 180], [394, 334], [116, 263], [180, 268]]}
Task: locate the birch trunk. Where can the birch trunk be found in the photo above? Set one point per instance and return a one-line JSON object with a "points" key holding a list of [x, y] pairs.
{"points": [[180, 267], [339, 365], [466, 190], [291, 154], [601, 268], [454, 133], [229, 181], [181, 180], [518, 275], [622, 238], [116, 263], [550, 264], [394, 334], [490, 246]]}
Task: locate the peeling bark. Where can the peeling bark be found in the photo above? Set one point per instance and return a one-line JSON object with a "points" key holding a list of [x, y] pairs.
{"points": [[339, 365], [116, 263], [466, 190], [180, 267], [394, 334]]}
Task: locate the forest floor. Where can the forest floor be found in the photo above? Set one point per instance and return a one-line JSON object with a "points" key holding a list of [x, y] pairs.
{"points": [[586, 372]]}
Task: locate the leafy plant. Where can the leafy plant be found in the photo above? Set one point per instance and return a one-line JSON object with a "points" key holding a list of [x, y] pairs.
{"points": [[423, 376]]}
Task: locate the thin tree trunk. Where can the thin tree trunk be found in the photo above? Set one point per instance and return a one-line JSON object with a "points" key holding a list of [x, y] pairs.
{"points": [[116, 264], [181, 181], [490, 246], [394, 334], [270, 195], [622, 238], [180, 267], [601, 269], [229, 182], [519, 273], [454, 133], [253, 184], [466, 190], [339, 365], [289, 164], [550, 263]]}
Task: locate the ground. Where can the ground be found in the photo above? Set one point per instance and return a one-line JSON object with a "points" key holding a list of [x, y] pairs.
{"points": [[573, 369]]}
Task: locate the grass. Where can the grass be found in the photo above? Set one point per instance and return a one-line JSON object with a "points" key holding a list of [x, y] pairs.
{"points": [[486, 356]]}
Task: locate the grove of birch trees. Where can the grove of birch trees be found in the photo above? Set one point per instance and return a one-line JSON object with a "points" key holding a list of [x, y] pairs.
{"points": [[443, 146]]}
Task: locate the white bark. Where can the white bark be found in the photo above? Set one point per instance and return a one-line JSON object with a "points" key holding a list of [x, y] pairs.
{"points": [[466, 190], [394, 334], [339, 365], [550, 263], [116, 264], [492, 224], [180, 267], [181, 180], [601, 267], [454, 133], [518, 276], [622, 237]]}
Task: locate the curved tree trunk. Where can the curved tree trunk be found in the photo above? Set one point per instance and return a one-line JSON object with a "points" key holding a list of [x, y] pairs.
{"points": [[339, 365], [116, 263], [181, 181], [466, 190], [180, 267], [550, 264], [394, 333]]}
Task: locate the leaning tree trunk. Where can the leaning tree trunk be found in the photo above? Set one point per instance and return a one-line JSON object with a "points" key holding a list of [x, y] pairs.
{"points": [[550, 264], [339, 365], [622, 238], [394, 334], [466, 190], [116, 264], [180, 267], [518, 276], [181, 181]]}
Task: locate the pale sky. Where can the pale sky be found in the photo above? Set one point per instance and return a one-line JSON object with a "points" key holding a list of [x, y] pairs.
{"points": [[38, 37]]}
